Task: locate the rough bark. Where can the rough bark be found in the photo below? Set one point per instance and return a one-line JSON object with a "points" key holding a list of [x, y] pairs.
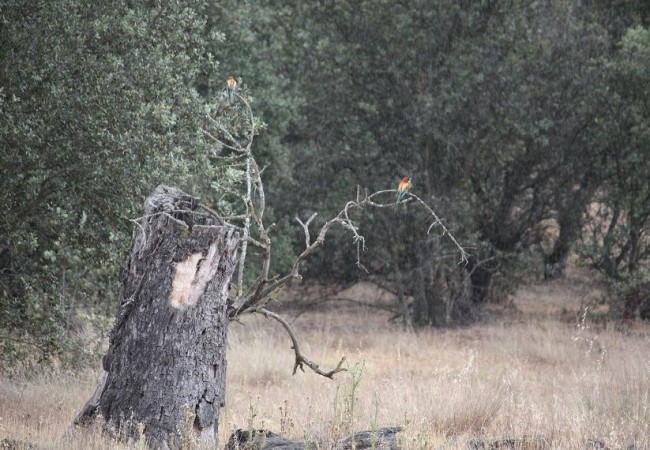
{"points": [[165, 366]]}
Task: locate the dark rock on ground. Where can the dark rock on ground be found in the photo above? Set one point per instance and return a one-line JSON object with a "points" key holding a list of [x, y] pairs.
{"points": [[518, 443], [16, 444], [261, 440], [381, 439]]}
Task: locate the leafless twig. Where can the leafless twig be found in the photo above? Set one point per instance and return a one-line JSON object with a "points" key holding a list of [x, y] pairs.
{"points": [[305, 227], [445, 232]]}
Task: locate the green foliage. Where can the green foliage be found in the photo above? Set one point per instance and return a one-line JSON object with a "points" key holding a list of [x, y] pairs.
{"points": [[508, 116], [630, 296], [99, 105], [500, 112], [517, 119], [616, 242]]}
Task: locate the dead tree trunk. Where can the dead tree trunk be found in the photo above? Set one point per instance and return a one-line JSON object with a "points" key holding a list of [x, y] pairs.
{"points": [[166, 364]]}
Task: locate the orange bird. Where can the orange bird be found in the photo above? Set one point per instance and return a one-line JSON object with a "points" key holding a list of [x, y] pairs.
{"points": [[231, 88], [403, 188]]}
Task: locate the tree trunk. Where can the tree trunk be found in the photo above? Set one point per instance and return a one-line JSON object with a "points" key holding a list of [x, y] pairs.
{"points": [[429, 302], [166, 363], [481, 272], [570, 204]]}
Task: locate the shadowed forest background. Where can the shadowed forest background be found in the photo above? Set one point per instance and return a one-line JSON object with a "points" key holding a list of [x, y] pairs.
{"points": [[525, 124]]}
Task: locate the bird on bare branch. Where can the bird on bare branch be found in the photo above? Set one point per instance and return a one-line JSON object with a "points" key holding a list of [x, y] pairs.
{"points": [[231, 88], [403, 188]]}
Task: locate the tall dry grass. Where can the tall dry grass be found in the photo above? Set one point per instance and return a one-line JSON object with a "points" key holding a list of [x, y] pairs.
{"points": [[563, 383], [542, 381]]}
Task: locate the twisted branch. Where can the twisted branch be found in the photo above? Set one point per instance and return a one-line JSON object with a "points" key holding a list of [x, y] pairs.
{"points": [[301, 360]]}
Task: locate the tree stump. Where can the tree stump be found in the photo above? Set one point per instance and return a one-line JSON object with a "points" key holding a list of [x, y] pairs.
{"points": [[166, 363]]}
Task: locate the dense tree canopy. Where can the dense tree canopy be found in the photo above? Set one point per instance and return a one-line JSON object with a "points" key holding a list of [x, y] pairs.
{"points": [[496, 109], [524, 123], [99, 104]]}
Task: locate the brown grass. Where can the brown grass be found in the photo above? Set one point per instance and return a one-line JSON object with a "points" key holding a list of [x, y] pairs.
{"points": [[533, 376]]}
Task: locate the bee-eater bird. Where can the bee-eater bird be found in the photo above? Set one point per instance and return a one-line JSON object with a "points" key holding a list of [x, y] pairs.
{"points": [[403, 188], [231, 88]]}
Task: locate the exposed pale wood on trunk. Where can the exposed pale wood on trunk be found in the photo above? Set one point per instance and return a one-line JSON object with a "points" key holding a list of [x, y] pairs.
{"points": [[166, 364]]}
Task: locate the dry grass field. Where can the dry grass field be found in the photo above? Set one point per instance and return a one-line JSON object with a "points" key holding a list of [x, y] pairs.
{"points": [[537, 375]]}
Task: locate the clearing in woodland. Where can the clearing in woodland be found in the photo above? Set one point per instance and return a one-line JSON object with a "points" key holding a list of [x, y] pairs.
{"points": [[539, 374]]}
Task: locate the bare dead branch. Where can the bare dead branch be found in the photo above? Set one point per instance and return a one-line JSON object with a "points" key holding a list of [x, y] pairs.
{"points": [[300, 359], [247, 224], [144, 233], [445, 232], [305, 227], [236, 146], [219, 141], [252, 118], [257, 294], [253, 241], [212, 212], [264, 287]]}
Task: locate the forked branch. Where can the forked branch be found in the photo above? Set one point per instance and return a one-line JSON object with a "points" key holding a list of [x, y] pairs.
{"points": [[300, 359]]}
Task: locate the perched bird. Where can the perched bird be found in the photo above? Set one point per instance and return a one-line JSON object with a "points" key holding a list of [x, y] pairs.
{"points": [[231, 88], [403, 188]]}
